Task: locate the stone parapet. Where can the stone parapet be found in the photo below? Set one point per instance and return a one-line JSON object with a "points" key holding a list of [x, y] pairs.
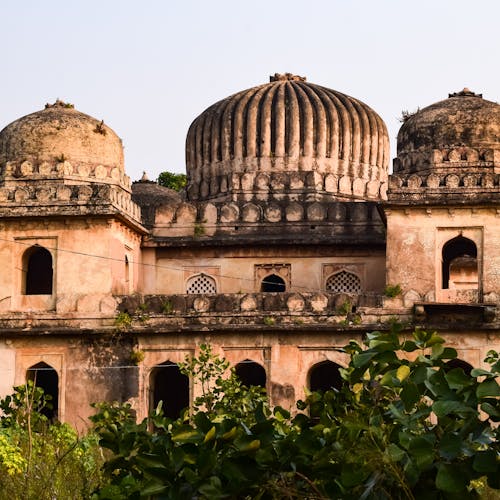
{"points": [[231, 219], [27, 172], [461, 186], [61, 199]]}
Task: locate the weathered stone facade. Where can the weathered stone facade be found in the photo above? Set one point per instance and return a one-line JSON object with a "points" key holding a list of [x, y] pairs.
{"points": [[277, 254]]}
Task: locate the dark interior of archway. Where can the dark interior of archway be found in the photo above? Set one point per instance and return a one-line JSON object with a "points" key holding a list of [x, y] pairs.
{"points": [[457, 247], [251, 373], [45, 377], [325, 376], [171, 387], [458, 363], [39, 272], [273, 283]]}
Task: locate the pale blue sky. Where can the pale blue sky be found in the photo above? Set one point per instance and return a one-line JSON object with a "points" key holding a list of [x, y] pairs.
{"points": [[149, 68]]}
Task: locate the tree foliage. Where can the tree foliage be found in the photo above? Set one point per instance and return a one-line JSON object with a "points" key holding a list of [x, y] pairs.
{"points": [[404, 425], [171, 180], [40, 459]]}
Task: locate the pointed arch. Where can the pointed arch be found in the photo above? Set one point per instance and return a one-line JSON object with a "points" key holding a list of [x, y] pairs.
{"points": [[251, 373], [170, 386], [324, 376], [46, 377], [459, 264], [37, 271], [273, 283]]}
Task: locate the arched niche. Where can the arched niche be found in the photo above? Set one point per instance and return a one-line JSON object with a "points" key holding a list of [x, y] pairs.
{"points": [[37, 271], [273, 283], [169, 385], [459, 264], [45, 377], [251, 373]]}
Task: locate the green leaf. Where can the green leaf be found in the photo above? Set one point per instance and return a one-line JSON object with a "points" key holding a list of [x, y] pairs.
{"points": [[363, 358], [445, 407], [457, 379], [488, 388], [450, 446], [185, 434], [153, 488], [396, 454], [451, 479], [410, 395], [486, 461], [490, 409]]}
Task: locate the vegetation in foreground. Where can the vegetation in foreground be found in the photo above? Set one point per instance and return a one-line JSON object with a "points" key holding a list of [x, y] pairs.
{"points": [[404, 425]]}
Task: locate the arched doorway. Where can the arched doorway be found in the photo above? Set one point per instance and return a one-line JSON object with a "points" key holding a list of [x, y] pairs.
{"points": [[45, 377], [459, 264], [169, 385], [324, 376], [273, 283], [251, 373], [37, 271]]}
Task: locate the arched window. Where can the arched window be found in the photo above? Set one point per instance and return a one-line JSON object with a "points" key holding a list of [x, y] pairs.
{"points": [[273, 283], [344, 282], [251, 373], [458, 363], [169, 385], [201, 283], [45, 377], [37, 271], [459, 259], [325, 376]]}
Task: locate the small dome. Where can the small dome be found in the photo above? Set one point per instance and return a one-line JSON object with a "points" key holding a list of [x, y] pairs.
{"points": [[465, 127], [283, 126], [59, 134]]}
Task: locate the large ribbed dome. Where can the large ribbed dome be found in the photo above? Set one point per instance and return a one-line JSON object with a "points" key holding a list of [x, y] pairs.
{"points": [[461, 131], [287, 125], [60, 135]]}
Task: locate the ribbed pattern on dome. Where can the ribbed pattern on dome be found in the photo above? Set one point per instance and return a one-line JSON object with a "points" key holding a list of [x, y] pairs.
{"points": [[289, 124]]}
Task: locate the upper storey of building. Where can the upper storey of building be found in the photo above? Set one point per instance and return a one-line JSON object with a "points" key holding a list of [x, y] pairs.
{"points": [[59, 161], [449, 151], [287, 138]]}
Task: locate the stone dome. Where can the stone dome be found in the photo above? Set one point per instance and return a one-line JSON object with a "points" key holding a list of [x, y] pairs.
{"points": [[61, 140], [461, 131], [248, 141]]}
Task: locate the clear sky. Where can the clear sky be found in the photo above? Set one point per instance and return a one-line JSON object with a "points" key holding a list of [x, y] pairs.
{"points": [[149, 68]]}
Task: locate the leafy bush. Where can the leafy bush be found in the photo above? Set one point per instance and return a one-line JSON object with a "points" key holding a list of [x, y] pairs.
{"points": [[43, 460], [403, 425]]}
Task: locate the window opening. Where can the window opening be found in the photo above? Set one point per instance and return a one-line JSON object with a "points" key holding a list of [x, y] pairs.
{"points": [[45, 377], [343, 281], [325, 376], [170, 386], [459, 264], [201, 284], [37, 266], [272, 283], [251, 373]]}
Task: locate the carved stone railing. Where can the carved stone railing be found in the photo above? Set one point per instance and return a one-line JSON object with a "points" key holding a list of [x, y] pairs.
{"points": [[207, 219], [27, 171]]}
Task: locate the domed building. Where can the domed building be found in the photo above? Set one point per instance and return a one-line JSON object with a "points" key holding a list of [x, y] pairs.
{"points": [[290, 239]]}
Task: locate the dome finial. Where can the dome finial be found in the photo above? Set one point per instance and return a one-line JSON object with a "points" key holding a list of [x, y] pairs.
{"points": [[279, 77], [465, 93], [60, 104]]}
